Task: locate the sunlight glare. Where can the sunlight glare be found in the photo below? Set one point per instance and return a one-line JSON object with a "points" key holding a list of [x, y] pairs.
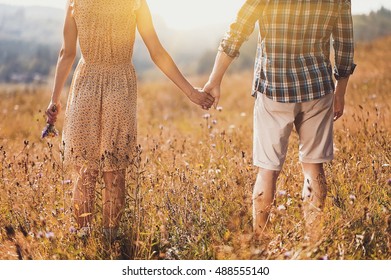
{"points": [[179, 14]]}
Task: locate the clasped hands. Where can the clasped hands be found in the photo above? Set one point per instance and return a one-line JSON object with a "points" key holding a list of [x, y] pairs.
{"points": [[207, 96]]}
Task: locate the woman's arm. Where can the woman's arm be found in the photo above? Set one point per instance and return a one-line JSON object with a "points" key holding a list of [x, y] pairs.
{"points": [[164, 61], [64, 64]]}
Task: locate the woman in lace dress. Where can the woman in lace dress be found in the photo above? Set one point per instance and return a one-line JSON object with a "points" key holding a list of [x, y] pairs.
{"points": [[99, 133]]}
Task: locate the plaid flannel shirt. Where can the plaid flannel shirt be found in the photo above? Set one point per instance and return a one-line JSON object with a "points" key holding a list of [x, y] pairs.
{"points": [[293, 56]]}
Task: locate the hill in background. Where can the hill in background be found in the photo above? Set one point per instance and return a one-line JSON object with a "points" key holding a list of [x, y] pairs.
{"points": [[30, 38]]}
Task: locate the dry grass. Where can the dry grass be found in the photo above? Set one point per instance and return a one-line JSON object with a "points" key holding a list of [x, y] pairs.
{"points": [[190, 197]]}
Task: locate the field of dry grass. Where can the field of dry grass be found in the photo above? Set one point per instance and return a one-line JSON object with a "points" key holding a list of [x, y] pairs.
{"points": [[190, 194]]}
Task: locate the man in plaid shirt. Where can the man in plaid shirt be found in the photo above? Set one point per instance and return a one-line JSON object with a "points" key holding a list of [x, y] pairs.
{"points": [[293, 85]]}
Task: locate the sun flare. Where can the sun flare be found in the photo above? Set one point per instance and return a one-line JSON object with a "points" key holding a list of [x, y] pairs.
{"points": [[179, 14]]}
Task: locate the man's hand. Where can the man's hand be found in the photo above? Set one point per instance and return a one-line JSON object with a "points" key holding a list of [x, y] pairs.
{"points": [[339, 97], [339, 105], [213, 90], [222, 62], [199, 97]]}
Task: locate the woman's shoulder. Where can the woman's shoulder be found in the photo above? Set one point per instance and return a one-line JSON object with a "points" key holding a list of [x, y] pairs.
{"points": [[78, 4]]}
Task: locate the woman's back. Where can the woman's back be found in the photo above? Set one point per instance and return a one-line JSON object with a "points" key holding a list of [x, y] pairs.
{"points": [[100, 127], [106, 30]]}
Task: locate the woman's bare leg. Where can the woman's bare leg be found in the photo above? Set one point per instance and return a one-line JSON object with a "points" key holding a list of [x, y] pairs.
{"points": [[113, 202], [84, 196]]}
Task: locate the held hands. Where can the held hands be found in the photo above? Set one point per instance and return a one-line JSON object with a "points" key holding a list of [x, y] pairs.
{"points": [[214, 91], [199, 97]]}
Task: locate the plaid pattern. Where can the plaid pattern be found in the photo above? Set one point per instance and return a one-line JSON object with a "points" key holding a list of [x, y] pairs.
{"points": [[293, 57]]}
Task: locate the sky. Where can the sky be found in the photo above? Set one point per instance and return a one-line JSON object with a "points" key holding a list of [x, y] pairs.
{"points": [[188, 14]]}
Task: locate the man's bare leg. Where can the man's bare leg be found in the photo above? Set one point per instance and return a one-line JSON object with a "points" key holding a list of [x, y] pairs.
{"points": [[314, 196], [263, 198]]}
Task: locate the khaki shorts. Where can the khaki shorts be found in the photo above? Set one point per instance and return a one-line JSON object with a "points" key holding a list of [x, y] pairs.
{"points": [[273, 123]]}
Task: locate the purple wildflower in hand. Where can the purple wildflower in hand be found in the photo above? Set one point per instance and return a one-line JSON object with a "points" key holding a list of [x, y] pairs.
{"points": [[50, 130]]}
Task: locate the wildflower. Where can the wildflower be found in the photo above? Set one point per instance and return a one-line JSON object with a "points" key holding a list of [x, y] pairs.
{"points": [[206, 116], [49, 235], [72, 230], [288, 255], [84, 232], [282, 193], [256, 252], [49, 131], [67, 182], [213, 146], [219, 108], [352, 198], [214, 122], [281, 208]]}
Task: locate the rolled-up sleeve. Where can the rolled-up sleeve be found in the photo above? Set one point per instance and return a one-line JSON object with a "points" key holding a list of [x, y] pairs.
{"points": [[241, 28], [343, 42]]}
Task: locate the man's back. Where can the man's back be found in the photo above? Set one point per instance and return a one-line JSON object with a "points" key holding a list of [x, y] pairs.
{"points": [[294, 69], [293, 63]]}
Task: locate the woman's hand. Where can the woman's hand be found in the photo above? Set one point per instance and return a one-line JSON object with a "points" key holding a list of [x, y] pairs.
{"points": [[52, 112], [199, 97]]}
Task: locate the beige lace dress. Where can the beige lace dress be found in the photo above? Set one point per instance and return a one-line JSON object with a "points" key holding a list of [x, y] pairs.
{"points": [[100, 126]]}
